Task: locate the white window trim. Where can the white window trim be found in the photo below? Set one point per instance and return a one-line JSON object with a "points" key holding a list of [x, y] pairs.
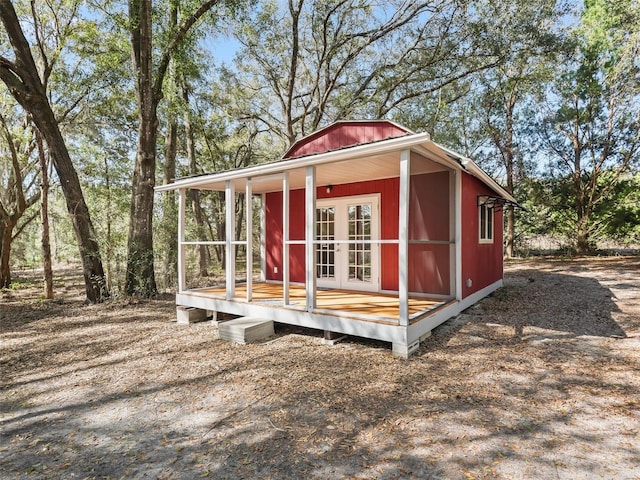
{"points": [[490, 212]]}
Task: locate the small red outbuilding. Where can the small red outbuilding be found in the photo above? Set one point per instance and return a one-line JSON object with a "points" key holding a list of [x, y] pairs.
{"points": [[366, 229]]}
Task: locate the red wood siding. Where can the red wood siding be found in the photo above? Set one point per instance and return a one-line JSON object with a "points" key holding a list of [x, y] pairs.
{"points": [[429, 216], [429, 270], [344, 134], [429, 207], [389, 192], [273, 207], [482, 263], [273, 235]]}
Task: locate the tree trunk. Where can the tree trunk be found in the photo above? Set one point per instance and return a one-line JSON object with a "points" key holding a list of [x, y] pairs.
{"points": [[94, 277], [169, 223], [509, 210], [221, 225], [140, 269], [199, 218], [6, 233], [212, 229], [239, 218], [580, 203], [44, 219], [510, 231], [109, 238], [140, 278], [583, 246], [509, 157], [194, 194], [169, 206], [22, 80]]}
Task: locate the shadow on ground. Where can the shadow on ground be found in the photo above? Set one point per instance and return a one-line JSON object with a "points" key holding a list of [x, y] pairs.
{"points": [[555, 305], [514, 388]]}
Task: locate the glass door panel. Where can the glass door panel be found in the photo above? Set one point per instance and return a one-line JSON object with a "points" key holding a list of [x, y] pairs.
{"points": [[345, 255], [360, 253], [326, 252]]}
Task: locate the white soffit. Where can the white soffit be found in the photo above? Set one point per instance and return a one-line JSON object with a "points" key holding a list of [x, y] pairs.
{"points": [[372, 161], [386, 149]]}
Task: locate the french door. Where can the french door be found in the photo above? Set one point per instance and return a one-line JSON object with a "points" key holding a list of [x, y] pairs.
{"points": [[346, 255]]}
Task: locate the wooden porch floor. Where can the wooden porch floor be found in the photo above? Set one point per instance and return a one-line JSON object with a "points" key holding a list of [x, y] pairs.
{"points": [[342, 302]]}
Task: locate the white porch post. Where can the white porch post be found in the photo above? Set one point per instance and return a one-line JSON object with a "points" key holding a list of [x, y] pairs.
{"points": [[309, 237], [182, 283], [249, 248], [285, 238], [263, 238], [403, 238], [230, 227]]}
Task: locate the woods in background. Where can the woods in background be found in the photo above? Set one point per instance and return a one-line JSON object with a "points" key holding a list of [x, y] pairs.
{"points": [[102, 100]]}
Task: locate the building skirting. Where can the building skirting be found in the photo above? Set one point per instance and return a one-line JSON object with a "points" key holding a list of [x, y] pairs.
{"points": [[405, 339]]}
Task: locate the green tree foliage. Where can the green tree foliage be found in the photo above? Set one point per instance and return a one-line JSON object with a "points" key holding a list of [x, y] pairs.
{"points": [[591, 127], [152, 49], [621, 213], [18, 181], [529, 36], [132, 82], [27, 79], [330, 60], [616, 217]]}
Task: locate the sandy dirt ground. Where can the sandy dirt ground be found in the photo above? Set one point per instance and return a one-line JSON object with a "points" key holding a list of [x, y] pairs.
{"points": [[541, 380]]}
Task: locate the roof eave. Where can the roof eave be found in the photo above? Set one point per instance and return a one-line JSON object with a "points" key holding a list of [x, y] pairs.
{"points": [[384, 146], [470, 166], [420, 142]]}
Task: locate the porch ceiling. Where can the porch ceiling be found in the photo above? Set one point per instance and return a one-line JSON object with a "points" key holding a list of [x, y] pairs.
{"points": [[348, 171], [354, 170], [349, 165], [354, 164]]}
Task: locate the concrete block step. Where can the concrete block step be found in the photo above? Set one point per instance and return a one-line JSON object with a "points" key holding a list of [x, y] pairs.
{"points": [[246, 329]]}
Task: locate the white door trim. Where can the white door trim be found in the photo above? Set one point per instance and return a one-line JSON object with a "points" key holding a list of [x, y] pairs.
{"points": [[341, 260]]}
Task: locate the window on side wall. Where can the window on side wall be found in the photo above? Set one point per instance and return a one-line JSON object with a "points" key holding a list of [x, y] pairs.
{"points": [[486, 223]]}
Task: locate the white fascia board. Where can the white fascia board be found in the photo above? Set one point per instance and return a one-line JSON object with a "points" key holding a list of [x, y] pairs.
{"points": [[433, 152], [385, 146], [477, 172]]}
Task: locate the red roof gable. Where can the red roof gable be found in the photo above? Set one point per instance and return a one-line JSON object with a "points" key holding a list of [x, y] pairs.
{"points": [[344, 134]]}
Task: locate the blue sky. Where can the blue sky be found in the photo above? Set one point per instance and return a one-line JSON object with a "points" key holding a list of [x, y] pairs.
{"points": [[222, 49]]}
